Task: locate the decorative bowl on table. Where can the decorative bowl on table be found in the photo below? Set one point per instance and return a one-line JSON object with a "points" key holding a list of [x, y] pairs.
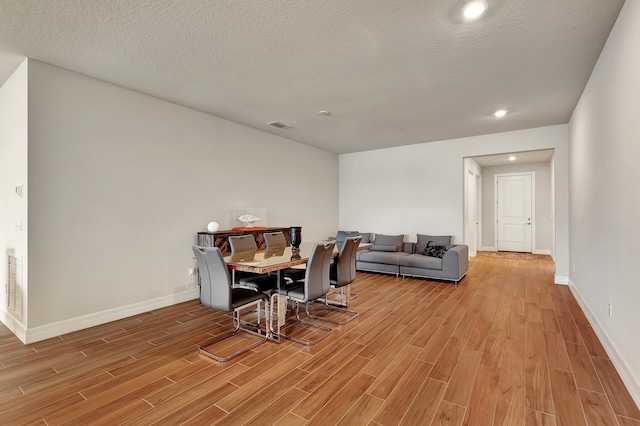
{"points": [[248, 220]]}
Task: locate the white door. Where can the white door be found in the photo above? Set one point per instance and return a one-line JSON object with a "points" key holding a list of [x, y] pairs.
{"points": [[514, 212]]}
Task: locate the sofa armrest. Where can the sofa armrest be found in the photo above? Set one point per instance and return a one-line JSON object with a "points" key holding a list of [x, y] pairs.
{"points": [[455, 262]]}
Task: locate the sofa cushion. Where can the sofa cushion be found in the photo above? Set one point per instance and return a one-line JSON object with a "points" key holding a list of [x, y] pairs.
{"points": [[435, 250], [380, 247], [389, 258], [423, 239], [420, 261], [342, 235], [389, 240], [366, 237]]}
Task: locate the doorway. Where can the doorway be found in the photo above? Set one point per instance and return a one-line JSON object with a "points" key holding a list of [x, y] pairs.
{"points": [[472, 212], [514, 212]]}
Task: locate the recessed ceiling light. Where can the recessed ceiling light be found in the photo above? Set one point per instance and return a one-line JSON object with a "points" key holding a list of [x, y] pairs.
{"points": [[512, 158], [473, 10], [500, 113], [323, 112]]}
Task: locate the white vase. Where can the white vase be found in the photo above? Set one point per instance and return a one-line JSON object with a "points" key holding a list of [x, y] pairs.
{"points": [[213, 226]]}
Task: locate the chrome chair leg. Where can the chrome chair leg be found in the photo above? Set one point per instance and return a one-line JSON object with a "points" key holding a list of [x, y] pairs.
{"points": [[308, 324], [202, 348], [341, 306]]}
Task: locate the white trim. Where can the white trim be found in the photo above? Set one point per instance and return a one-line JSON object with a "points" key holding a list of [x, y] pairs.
{"points": [[473, 253], [626, 374], [12, 323], [36, 334], [538, 251], [560, 279], [487, 248]]}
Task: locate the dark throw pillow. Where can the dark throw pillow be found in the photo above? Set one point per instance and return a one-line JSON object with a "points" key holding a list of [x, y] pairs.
{"points": [[434, 249], [421, 242]]}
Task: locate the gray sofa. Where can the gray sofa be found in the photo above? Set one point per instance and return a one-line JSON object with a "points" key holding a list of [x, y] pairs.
{"points": [[429, 257]]}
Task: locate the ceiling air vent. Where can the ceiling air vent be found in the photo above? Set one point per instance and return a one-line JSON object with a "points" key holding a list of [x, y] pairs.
{"points": [[279, 125]]}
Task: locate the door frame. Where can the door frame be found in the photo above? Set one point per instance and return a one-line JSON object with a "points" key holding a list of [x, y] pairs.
{"points": [[533, 206], [473, 207]]}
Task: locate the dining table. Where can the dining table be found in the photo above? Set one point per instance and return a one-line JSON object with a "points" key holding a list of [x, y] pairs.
{"points": [[276, 259]]}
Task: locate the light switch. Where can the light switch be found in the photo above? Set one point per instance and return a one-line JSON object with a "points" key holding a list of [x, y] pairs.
{"points": [[19, 224]]}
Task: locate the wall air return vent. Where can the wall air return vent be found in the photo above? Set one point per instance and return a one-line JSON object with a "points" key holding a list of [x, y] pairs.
{"points": [[15, 286], [279, 125]]}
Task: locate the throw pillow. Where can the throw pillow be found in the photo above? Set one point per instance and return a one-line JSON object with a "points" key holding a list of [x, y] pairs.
{"points": [[434, 249], [389, 240], [423, 239]]}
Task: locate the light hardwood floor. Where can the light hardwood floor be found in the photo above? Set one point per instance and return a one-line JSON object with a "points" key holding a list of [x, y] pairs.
{"points": [[504, 347]]}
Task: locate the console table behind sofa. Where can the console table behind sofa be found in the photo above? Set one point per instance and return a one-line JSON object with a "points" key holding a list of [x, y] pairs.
{"points": [[220, 239]]}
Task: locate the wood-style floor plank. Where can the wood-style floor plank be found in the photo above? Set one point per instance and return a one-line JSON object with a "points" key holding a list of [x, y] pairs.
{"points": [[505, 346]]}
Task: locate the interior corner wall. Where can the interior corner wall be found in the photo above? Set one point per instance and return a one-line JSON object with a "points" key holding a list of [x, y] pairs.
{"points": [[605, 201], [13, 173], [120, 182], [543, 215], [419, 188]]}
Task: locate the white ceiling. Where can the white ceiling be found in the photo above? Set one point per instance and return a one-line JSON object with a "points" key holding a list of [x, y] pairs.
{"points": [[389, 72]]}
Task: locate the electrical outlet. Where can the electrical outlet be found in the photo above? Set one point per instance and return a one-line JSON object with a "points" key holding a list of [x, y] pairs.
{"points": [[190, 271], [610, 310]]}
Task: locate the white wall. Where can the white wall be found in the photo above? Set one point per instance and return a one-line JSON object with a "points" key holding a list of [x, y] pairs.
{"points": [[120, 182], [605, 199], [13, 172], [542, 215], [419, 188]]}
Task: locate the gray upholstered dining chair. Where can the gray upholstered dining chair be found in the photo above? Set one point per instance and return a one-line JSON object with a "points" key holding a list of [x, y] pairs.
{"points": [[274, 239], [315, 285], [342, 274], [277, 239], [240, 246], [216, 292]]}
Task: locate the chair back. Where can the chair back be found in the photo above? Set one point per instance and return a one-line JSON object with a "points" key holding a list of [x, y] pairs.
{"points": [[346, 262], [215, 282], [317, 281], [243, 248], [241, 243], [275, 239]]}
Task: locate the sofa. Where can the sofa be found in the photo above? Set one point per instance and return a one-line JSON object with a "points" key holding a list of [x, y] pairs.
{"points": [[431, 256]]}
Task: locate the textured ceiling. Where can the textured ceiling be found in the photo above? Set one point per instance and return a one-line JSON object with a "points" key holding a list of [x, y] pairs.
{"points": [[390, 72]]}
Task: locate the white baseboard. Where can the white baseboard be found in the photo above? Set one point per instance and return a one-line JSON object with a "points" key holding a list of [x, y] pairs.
{"points": [[12, 323], [36, 334], [561, 279], [631, 382], [537, 251]]}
